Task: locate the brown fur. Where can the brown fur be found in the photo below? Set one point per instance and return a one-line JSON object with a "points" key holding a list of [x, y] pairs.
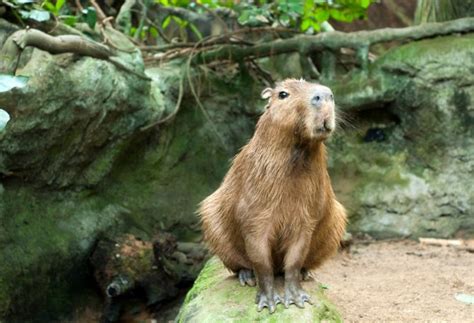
{"points": [[276, 202]]}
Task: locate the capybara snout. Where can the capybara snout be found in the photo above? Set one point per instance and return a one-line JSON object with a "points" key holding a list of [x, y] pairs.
{"points": [[308, 106]]}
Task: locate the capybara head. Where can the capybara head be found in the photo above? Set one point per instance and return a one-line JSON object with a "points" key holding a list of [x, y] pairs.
{"points": [[303, 107]]}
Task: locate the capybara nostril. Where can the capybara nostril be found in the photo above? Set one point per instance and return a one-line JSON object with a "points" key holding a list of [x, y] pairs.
{"points": [[316, 100], [320, 96]]}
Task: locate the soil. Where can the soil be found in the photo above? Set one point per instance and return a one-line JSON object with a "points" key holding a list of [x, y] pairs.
{"points": [[400, 281], [370, 281]]}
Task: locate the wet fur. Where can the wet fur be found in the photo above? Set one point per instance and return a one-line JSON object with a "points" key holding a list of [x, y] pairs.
{"points": [[277, 192]]}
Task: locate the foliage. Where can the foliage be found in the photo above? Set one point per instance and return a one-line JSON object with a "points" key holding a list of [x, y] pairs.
{"points": [[301, 15], [307, 15], [25, 10]]}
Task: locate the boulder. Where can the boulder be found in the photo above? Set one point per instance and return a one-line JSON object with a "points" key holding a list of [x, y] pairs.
{"points": [[217, 296], [405, 169]]}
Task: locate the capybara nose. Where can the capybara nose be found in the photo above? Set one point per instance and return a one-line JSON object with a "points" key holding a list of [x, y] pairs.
{"points": [[321, 96], [328, 125]]}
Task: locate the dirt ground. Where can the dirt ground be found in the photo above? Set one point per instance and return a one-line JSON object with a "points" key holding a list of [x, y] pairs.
{"points": [[400, 281], [385, 281]]}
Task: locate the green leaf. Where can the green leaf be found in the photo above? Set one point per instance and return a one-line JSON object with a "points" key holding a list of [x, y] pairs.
{"points": [[316, 26], [59, 5], [244, 17], [196, 31], [38, 15], [365, 3], [182, 23], [321, 15], [90, 16], [166, 22], [8, 82], [49, 6], [295, 6], [285, 19], [305, 24], [154, 32], [69, 20]]}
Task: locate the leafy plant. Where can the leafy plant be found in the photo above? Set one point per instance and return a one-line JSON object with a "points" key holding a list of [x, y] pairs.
{"points": [[54, 8], [306, 15]]}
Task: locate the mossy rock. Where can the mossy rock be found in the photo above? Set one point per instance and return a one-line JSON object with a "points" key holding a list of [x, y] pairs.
{"points": [[217, 296]]}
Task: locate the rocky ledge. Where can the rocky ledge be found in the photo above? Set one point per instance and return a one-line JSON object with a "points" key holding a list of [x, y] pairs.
{"points": [[218, 297]]}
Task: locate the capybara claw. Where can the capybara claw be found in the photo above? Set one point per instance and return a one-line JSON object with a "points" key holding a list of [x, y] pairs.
{"points": [[269, 301], [247, 277], [297, 297]]}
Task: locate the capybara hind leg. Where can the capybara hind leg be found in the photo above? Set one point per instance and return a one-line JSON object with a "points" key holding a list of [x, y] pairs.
{"points": [[235, 261], [228, 248], [326, 237]]}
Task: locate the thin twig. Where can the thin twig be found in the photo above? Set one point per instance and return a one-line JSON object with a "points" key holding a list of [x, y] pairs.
{"points": [[100, 14], [333, 41]]}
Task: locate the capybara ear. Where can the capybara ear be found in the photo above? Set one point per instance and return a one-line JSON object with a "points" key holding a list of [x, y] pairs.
{"points": [[267, 93]]}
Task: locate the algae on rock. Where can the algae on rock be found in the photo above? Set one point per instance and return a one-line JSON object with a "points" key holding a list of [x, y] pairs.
{"points": [[217, 296]]}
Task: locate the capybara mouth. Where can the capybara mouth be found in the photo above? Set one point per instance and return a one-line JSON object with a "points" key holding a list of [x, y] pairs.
{"points": [[322, 132]]}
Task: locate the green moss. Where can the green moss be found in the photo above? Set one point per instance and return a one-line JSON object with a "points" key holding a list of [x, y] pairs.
{"points": [[418, 53], [217, 296], [46, 240], [168, 175]]}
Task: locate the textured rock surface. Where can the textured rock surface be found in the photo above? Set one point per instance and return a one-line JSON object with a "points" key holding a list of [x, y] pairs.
{"points": [[408, 171], [217, 297], [77, 166], [72, 119], [45, 240]]}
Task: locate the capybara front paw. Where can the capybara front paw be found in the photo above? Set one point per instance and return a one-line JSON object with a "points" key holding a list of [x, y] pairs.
{"points": [[247, 277], [269, 300], [297, 296]]}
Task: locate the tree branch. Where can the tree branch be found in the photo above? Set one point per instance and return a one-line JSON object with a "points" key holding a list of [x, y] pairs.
{"points": [[14, 45], [54, 45], [334, 40]]}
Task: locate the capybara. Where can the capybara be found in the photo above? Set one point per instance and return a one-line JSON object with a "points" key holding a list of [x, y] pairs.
{"points": [[275, 211]]}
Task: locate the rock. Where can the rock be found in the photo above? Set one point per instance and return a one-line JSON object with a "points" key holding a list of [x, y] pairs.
{"points": [[151, 183], [75, 116], [417, 181], [218, 297]]}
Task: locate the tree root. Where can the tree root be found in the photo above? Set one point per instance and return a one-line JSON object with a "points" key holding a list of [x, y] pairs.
{"points": [[18, 41], [21, 39]]}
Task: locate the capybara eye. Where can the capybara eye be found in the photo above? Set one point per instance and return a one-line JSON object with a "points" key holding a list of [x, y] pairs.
{"points": [[283, 95], [317, 97]]}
